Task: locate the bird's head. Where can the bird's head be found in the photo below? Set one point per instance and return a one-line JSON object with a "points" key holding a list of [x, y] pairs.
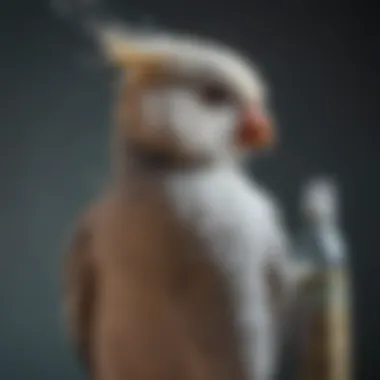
{"points": [[320, 201], [187, 99]]}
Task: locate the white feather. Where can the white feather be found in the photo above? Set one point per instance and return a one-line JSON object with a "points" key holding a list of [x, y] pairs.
{"points": [[238, 221], [189, 54], [200, 129]]}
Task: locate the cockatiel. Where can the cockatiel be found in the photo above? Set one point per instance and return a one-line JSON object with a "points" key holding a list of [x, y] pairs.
{"points": [[167, 272], [325, 291], [322, 241]]}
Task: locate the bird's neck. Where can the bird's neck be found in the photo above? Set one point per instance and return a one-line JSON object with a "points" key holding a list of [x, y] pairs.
{"points": [[141, 164]]}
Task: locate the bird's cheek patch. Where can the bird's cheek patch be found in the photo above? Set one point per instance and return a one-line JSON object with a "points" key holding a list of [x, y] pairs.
{"points": [[154, 108]]}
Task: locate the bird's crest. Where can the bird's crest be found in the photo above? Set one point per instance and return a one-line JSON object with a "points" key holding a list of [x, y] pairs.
{"points": [[126, 52]]}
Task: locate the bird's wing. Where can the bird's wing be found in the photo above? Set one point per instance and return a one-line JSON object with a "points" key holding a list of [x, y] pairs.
{"points": [[79, 291]]}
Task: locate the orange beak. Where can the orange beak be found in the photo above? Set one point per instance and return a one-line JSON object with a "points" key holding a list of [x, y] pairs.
{"points": [[255, 129]]}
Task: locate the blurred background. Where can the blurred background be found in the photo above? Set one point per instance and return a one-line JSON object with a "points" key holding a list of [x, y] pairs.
{"points": [[320, 58]]}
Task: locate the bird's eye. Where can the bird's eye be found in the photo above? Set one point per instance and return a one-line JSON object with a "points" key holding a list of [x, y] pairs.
{"points": [[214, 94]]}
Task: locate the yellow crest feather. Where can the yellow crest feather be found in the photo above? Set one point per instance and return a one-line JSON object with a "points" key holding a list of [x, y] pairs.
{"points": [[126, 54]]}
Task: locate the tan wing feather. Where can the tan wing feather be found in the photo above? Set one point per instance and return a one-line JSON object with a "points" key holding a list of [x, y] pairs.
{"points": [[80, 291]]}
